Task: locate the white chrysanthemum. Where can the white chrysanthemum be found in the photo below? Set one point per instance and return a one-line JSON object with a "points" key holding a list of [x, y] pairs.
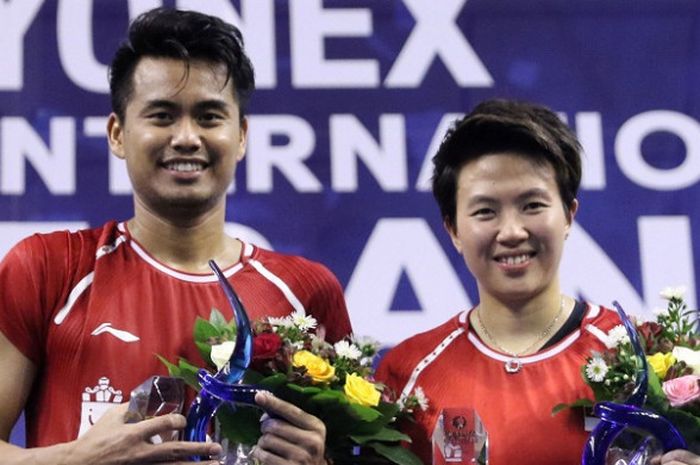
{"points": [[596, 369], [366, 341], [303, 321], [221, 353], [618, 335], [298, 345], [669, 293], [659, 311], [366, 361], [284, 322], [421, 398], [347, 350]]}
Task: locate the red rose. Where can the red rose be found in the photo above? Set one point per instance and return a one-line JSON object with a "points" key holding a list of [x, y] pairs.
{"points": [[266, 346], [650, 331]]}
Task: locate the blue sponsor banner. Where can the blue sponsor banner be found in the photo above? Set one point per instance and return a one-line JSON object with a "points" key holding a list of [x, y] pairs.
{"points": [[353, 98]]}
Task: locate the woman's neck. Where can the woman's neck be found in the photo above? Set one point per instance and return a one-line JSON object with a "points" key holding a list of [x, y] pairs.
{"points": [[521, 327]]}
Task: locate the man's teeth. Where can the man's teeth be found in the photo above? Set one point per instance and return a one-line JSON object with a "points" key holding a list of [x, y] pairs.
{"points": [[184, 166], [517, 260]]}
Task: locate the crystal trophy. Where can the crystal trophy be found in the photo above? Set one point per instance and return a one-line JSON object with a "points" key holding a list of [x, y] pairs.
{"points": [[459, 437], [158, 395], [629, 434]]}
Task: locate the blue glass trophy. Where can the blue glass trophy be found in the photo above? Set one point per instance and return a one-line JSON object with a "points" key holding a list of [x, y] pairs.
{"points": [[226, 385], [616, 418]]}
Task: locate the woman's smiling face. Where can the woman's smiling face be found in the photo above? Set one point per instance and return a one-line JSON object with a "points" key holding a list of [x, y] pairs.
{"points": [[510, 225]]}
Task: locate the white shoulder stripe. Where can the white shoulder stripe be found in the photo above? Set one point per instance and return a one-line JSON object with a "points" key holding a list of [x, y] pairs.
{"points": [[73, 296], [598, 333], [281, 285], [593, 311], [105, 249], [423, 364]]}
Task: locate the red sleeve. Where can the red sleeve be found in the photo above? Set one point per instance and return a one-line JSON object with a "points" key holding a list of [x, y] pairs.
{"points": [[25, 298], [327, 305]]}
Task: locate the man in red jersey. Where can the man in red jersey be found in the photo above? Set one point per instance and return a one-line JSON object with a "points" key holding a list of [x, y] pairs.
{"points": [[82, 315], [506, 178]]}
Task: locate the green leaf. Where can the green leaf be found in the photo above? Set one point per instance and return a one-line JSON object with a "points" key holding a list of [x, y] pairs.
{"points": [[577, 403], [204, 331], [365, 413], [306, 389], [385, 434], [173, 369], [217, 320], [396, 453], [239, 424], [204, 350], [188, 372]]}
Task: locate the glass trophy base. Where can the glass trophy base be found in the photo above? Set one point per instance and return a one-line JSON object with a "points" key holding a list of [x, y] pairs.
{"points": [[634, 447], [460, 438], [158, 395]]}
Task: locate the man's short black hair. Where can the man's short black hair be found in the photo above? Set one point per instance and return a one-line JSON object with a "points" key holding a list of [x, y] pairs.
{"points": [[186, 36]]}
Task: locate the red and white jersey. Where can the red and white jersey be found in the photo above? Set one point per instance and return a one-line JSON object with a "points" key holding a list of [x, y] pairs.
{"points": [[92, 309], [456, 369]]}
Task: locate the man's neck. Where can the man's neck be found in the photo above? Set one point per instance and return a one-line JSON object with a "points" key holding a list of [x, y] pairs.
{"points": [[188, 244]]}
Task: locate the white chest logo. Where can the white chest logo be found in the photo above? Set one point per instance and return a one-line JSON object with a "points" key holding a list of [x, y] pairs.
{"points": [[96, 401], [120, 334]]}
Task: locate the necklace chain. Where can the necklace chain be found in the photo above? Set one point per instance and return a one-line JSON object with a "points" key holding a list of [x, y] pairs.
{"points": [[515, 363]]}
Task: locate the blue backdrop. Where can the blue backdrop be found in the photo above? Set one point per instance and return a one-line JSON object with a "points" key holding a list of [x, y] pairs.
{"points": [[353, 98]]}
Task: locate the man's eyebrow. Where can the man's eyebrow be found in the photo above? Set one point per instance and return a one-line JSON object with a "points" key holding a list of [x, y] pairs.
{"points": [[159, 103], [213, 104]]}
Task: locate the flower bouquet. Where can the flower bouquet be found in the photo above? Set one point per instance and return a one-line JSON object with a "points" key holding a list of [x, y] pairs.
{"points": [[330, 381], [655, 368]]}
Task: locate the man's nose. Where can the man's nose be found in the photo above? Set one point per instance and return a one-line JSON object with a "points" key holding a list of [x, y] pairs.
{"points": [[186, 136]]}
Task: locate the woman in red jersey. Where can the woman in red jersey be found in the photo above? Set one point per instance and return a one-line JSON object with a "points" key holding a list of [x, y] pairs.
{"points": [[506, 178]]}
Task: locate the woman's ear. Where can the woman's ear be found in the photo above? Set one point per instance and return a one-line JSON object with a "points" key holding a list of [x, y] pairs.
{"points": [[452, 231], [571, 213], [243, 139]]}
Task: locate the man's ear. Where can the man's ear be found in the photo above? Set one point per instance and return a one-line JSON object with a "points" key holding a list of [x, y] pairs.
{"points": [[243, 142], [115, 135]]}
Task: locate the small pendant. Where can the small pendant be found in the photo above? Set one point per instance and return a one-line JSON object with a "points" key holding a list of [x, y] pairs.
{"points": [[513, 365]]}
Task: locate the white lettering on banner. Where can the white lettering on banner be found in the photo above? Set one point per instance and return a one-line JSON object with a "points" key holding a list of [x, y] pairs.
{"points": [[264, 156], [629, 154], [385, 160], [15, 18], [589, 130], [15, 231], [396, 246], [666, 244], [436, 35], [75, 42], [257, 25], [588, 271], [55, 164], [423, 183], [310, 25]]}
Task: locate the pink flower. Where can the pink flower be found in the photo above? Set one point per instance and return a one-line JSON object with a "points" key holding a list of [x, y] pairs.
{"points": [[683, 390]]}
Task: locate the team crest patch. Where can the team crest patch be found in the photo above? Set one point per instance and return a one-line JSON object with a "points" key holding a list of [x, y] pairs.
{"points": [[96, 401]]}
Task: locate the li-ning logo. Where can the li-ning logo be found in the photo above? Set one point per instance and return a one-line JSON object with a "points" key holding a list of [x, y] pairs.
{"points": [[120, 334], [96, 401]]}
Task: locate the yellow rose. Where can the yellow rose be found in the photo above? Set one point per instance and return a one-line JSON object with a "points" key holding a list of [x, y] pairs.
{"points": [[316, 367], [660, 363], [360, 391]]}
